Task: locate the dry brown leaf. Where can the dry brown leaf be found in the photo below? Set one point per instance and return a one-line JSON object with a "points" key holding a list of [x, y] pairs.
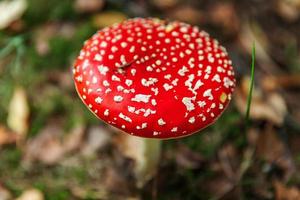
{"points": [[144, 152], [224, 14], [4, 193], [270, 106], [6, 136], [10, 11], [288, 9], [285, 193], [186, 14], [108, 18], [251, 32], [115, 181], [219, 186], [73, 140], [18, 112], [31, 194], [50, 147], [86, 6], [229, 162], [271, 83], [46, 146], [272, 149], [165, 3]]}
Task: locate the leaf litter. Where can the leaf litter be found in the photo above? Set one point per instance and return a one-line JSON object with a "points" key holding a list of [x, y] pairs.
{"points": [[68, 154]]}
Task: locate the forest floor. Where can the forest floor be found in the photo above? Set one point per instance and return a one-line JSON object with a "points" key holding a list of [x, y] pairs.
{"points": [[52, 147]]}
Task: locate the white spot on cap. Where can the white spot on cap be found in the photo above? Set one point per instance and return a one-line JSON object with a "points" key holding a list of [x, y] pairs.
{"points": [[216, 78], [106, 112], [103, 44], [98, 100], [141, 98], [153, 101], [106, 83], [227, 82], [132, 49], [133, 71], [98, 57], [174, 129], [201, 103], [124, 44], [128, 82], [192, 120], [94, 80], [126, 118], [118, 98], [167, 86], [207, 93], [131, 109], [150, 81], [115, 78], [187, 101], [161, 122], [103, 69], [155, 133], [144, 125], [114, 49], [183, 70]]}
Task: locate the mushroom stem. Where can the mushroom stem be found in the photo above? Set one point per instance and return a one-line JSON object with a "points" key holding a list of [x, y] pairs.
{"points": [[145, 152]]}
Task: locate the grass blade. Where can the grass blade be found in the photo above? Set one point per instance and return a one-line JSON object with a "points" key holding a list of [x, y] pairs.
{"points": [[249, 99]]}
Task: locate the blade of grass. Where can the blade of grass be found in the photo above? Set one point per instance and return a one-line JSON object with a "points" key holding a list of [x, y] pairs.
{"points": [[249, 99], [249, 153]]}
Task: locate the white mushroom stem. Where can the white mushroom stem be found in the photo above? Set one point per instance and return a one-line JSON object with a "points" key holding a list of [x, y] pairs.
{"points": [[145, 152]]}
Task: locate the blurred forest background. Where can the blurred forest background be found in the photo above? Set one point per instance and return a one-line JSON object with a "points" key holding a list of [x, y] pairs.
{"points": [[52, 147]]}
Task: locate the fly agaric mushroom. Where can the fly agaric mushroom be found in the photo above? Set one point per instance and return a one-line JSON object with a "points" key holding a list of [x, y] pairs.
{"points": [[155, 79]]}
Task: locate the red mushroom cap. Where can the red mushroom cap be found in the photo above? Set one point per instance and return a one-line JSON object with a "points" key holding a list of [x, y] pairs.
{"points": [[153, 78]]}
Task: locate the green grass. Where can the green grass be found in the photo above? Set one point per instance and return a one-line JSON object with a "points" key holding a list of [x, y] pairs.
{"points": [[249, 99]]}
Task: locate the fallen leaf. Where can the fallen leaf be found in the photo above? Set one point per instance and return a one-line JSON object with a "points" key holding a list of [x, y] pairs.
{"points": [[219, 186], [224, 14], [4, 193], [186, 14], [18, 112], [46, 146], [10, 11], [272, 149], [49, 146], [115, 181], [86, 6], [285, 193], [264, 106], [97, 138], [6, 136], [143, 151], [252, 33], [73, 140], [165, 3], [288, 81], [228, 159], [108, 18], [288, 9], [31, 194]]}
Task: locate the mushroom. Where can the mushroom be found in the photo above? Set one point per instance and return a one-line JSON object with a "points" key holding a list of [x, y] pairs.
{"points": [[154, 78]]}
